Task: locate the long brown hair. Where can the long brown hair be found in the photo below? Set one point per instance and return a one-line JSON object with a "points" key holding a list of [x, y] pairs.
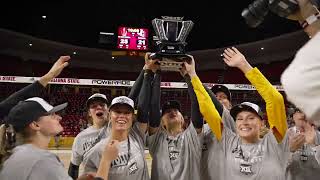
{"points": [[9, 140]]}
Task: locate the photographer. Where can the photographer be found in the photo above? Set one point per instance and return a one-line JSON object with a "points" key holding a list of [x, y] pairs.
{"points": [[300, 79]]}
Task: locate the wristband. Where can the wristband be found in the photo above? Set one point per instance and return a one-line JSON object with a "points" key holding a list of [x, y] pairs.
{"points": [[311, 19]]}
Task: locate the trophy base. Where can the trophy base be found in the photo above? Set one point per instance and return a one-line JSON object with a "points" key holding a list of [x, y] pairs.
{"points": [[170, 65], [170, 62]]}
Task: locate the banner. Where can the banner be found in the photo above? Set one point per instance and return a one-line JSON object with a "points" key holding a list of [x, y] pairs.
{"points": [[121, 83]]}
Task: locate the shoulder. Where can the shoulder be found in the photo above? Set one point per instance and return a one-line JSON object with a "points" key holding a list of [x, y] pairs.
{"points": [[98, 148], [85, 132]]}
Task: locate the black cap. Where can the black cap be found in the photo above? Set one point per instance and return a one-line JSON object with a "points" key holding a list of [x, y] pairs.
{"points": [[30, 110], [295, 110], [96, 97], [221, 88], [172, 104], [246, 106]]}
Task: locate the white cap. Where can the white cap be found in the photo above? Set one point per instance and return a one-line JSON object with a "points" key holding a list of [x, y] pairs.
{"points": [[122, 100], [97, 96]]}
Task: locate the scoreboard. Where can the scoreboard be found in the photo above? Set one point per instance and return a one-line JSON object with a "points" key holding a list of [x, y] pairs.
{"points": [[132, 38]]}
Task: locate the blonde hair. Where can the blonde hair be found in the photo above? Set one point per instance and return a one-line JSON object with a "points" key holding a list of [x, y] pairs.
{"points": [[162, 123], [89, 118], [163, 126]]}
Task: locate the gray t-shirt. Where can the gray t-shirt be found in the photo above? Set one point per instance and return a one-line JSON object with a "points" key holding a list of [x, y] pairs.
{"points": [[264, 160], [318, 154], [175, 158], [303, 164], [212, 160], [84, 141], [31, 163], [130, 164]]}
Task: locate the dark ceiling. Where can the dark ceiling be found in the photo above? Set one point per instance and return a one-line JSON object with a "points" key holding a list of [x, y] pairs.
{"points": [[217, 23]]}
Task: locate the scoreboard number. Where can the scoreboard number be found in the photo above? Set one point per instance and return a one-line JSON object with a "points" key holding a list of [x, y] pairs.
{"points": [[124, 41], [141, 42]]}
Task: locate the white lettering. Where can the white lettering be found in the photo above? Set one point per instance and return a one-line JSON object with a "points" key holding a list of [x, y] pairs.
{"points": [[133, 30], [111, 82]]}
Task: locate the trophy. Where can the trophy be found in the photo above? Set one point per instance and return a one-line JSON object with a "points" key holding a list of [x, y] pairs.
{"points": [[172, 33]]}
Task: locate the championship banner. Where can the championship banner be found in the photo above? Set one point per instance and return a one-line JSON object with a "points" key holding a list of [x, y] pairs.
{"points": [[121, 83]]}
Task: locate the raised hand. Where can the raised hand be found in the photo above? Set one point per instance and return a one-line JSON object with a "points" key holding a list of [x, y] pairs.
{"points": [[55, 70], [111, 150], [296, 142], [183, 71], [58, 66], [233, 58], [151, 64], [190, 66], [109, 154], [310, 134]]}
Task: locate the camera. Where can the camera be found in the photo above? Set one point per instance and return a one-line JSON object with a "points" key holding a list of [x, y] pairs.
{"points": [[256, 12]]}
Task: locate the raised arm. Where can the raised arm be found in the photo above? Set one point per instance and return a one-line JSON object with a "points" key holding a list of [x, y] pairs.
{"points": [[196, 116], [135, 90], [35, 88], [110, 153], [145, 94], [154, 115], [207, 108], [215, 101], [274, 101], [144, 101]]}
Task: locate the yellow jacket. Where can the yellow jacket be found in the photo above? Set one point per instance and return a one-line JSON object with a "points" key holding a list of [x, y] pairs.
{"points": [[274, 103], [207, 108]]}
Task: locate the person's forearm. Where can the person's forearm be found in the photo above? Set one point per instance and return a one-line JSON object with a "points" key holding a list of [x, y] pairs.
{"points": [[135, 90], [309, 10], [207, 108], [32, 90], [144, 97], [215, 101], [154, 116], [104, 167], [313, 29], [196, 116], [274, 102], [245, 67]]}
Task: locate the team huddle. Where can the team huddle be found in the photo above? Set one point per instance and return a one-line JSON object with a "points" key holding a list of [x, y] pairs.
{"points": [[220, 142]]}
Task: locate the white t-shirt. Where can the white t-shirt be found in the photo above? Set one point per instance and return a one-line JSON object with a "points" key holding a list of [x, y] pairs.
{"points": [[301, 79]]}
